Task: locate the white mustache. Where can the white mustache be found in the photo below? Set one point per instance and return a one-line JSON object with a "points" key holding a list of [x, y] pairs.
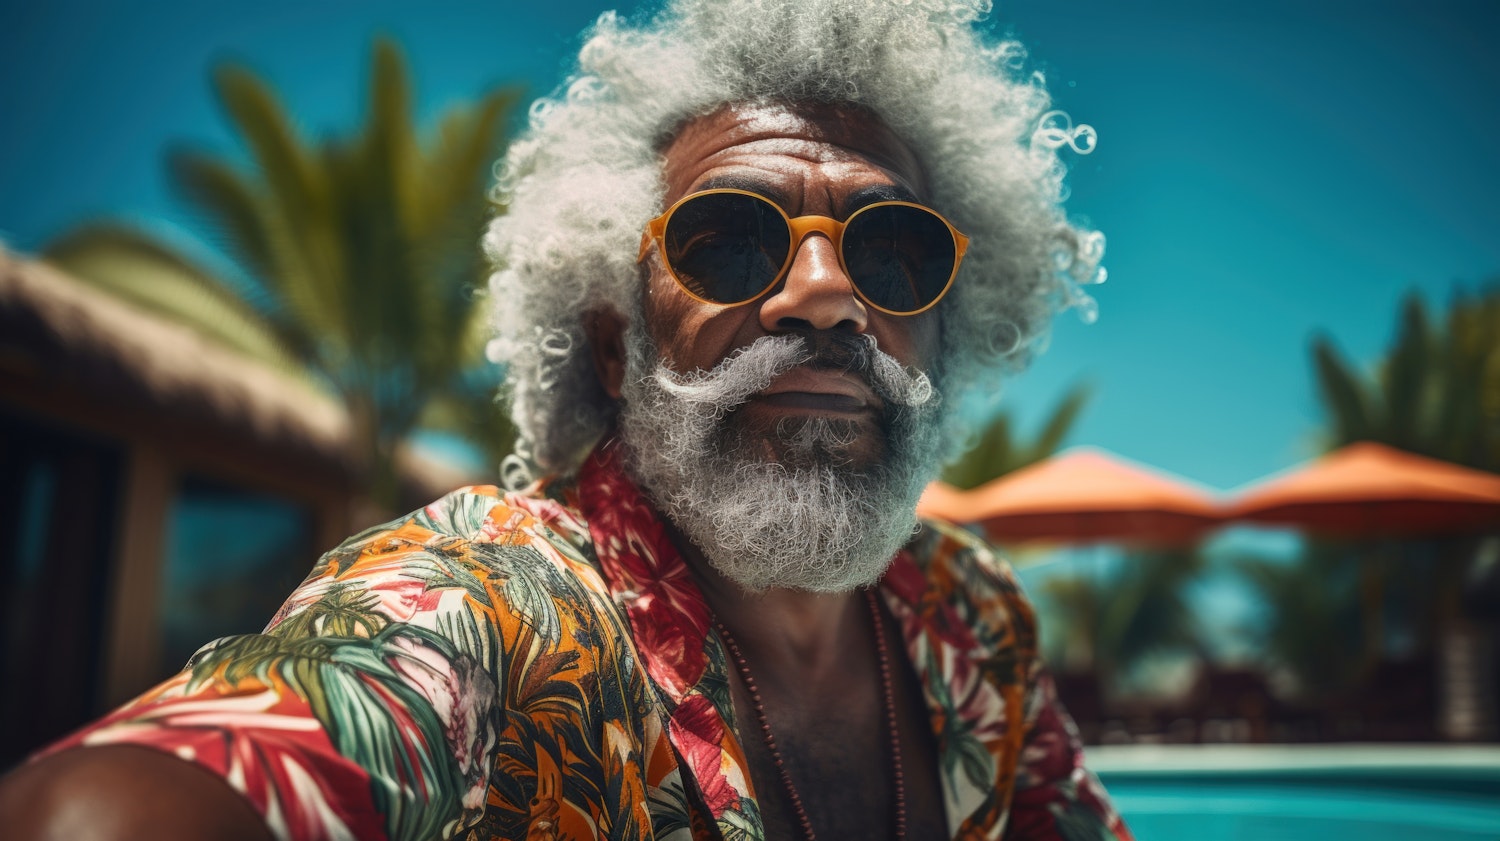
{"points": [[751, 369]]}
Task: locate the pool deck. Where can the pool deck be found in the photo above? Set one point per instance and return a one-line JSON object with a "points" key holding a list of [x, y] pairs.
{"points": [[1173, 759]]}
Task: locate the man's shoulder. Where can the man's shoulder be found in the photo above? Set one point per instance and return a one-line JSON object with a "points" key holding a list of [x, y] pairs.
{"points": [[478, 540], [968, 573], [475, 563], [948, 552], [542, 513]]}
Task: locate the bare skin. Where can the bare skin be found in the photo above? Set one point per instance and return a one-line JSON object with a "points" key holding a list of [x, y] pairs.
{"points": [[812, 654], [822, 698], [123, 792]]}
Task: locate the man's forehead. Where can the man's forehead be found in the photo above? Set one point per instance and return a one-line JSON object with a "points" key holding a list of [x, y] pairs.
{"points": [[833, 138]]}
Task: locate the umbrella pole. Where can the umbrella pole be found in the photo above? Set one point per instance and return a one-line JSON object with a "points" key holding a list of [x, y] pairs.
{"points": [[1372, 598]]}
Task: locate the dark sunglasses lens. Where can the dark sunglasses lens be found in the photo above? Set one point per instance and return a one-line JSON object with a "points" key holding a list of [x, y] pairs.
{"points": [[900, 257], [726, 247]]}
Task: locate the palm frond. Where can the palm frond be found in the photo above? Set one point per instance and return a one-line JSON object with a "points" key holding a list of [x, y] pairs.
{"points": [[142, 269], [1343, 395], [291, 175], [1406, 378], [1313, 621], [234, 207], [362, 254], [1059, 423], [1437, 392], [996, 451], [989, 456]]}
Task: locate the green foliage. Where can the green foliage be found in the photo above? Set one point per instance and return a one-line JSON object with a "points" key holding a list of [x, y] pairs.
{"points": [[1437, 390], [1316, 627], [1114, 620], [1343, 395], [998, 452], [1073, 637], [156, 277], [364, 252]]}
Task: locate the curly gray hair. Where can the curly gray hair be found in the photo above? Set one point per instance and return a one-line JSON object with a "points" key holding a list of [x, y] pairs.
{"points": [[580, 184]]}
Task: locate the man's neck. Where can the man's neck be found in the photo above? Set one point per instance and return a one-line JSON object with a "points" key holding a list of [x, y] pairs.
{"points": [[815, 666], [786, 630]]}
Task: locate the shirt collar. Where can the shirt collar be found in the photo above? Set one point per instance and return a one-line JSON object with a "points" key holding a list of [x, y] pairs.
{"points": [[648, 578]]}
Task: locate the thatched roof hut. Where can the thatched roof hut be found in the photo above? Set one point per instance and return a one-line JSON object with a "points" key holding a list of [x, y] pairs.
{"points": [[71, 352], [107, 410]]}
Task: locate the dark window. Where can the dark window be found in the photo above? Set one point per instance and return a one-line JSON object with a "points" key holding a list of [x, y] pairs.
{"points": [[58, 497], [233, 556]]}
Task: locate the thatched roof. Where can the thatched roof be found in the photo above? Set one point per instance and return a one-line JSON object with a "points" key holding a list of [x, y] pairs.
{"points": [[172, 364], [62, 334]]}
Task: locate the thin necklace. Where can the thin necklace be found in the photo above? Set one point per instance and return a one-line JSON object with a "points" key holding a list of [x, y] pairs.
{"points": [[888, 697]]}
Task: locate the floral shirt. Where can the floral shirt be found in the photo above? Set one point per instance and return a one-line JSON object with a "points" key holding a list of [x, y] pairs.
{"points": [[539, 665]]}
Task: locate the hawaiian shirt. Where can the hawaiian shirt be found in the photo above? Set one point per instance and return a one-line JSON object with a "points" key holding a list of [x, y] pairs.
{"points": [[540, 665]]}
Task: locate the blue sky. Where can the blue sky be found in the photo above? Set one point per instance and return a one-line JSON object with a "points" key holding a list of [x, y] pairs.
{"points": [[1265, 170]]}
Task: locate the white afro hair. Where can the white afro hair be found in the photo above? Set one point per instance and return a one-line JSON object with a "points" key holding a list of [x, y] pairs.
{"points": [[580, 184]]}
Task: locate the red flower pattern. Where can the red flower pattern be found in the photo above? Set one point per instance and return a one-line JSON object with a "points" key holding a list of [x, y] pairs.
{"points": [[646, 575], [699, 733]]}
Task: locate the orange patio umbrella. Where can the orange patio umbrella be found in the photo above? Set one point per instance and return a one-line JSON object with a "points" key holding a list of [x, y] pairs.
{"points": [[1079, 496], [1369, 490], [944, 502], [1375, 490]]}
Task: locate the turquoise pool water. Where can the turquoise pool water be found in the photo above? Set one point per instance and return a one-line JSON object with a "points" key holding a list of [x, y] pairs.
{"points": [[1369, 793]]}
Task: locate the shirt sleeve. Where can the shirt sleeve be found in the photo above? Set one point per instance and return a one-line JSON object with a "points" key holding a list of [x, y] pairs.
{"points": [[1056, 796], [372, 704], [366, 707]]}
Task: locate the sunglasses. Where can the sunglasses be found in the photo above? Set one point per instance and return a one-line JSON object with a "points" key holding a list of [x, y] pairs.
{"points": [[730, 247]]}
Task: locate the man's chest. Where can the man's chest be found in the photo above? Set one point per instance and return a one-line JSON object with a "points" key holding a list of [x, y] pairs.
{"points": [[849, 768]]}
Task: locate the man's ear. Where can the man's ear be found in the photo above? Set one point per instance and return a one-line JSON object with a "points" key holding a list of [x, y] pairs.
{"points": [[605, 329]]}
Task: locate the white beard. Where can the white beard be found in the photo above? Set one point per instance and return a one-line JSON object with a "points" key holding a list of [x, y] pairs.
{"points": [[810, 521]]}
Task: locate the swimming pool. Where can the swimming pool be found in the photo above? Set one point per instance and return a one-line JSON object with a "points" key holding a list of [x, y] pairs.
{"points": [[1305, 792]]}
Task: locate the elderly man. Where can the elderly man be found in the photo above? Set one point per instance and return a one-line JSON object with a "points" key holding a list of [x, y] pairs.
{"points": [[753, 256]]}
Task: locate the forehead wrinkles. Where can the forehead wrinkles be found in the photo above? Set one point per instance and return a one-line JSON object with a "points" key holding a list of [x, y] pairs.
{"points": [[796, 173], [823, 143]]}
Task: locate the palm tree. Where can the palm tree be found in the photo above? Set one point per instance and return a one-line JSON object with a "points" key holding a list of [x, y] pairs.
{"points": [[361, 254], [1105, 624], [997, 451], [1316, 620], [1111, 622], [1436, 392]]}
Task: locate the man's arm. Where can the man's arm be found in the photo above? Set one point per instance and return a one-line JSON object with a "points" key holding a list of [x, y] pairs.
{"points": [[374, 706], [123, 792], [354, 714]]}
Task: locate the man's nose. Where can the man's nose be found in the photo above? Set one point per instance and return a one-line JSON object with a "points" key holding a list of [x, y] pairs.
{"points": [[816, 294]]}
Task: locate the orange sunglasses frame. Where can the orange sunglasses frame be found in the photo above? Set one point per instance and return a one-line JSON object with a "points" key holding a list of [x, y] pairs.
{"points": [[800, 228]]}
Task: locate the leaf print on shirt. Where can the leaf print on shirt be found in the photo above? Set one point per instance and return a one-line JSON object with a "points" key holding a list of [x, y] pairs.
{"points": [[508, 666], [382, 701], [461, 513], [339, 610]]}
